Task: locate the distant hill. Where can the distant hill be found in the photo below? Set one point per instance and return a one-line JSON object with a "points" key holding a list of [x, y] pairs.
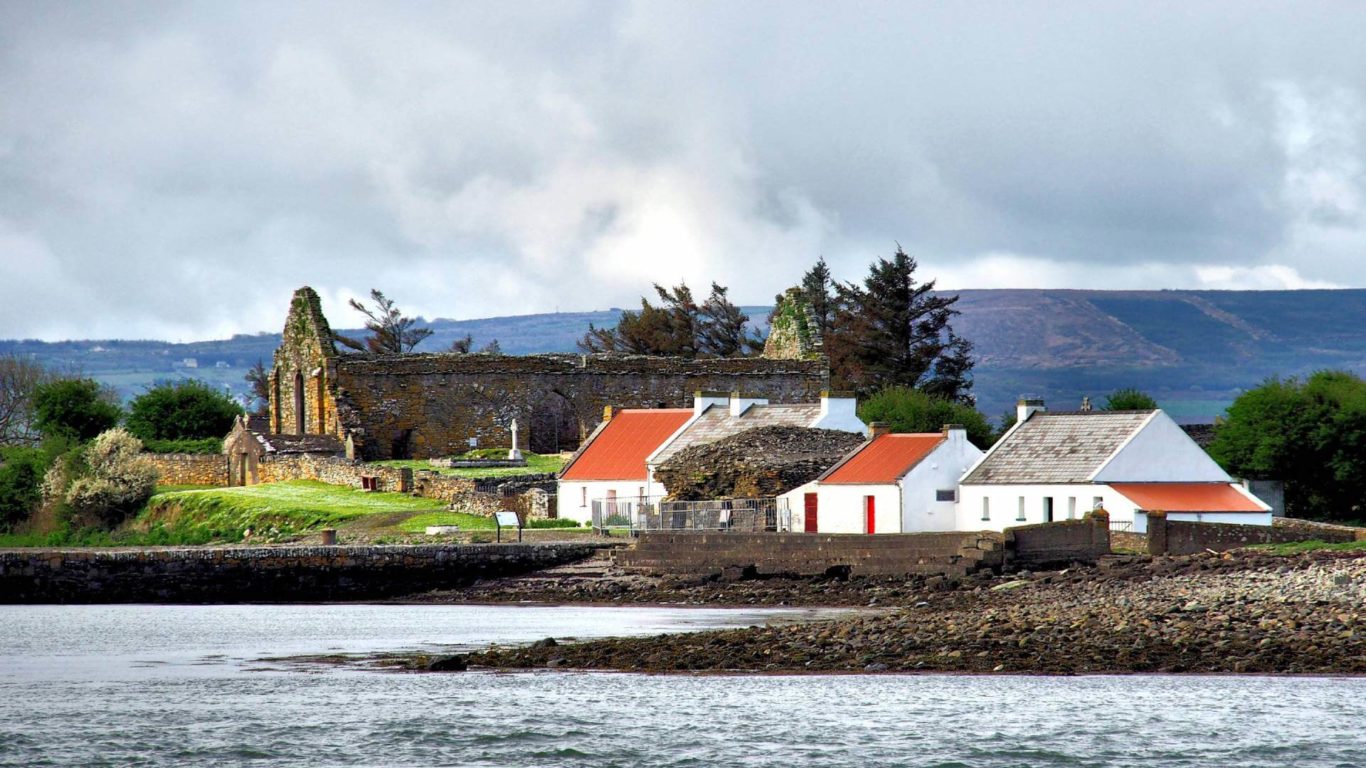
{"points": [[1193, 350]]}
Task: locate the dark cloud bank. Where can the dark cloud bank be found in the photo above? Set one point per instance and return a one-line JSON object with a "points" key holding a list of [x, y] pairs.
{"points": [[174, 170]]}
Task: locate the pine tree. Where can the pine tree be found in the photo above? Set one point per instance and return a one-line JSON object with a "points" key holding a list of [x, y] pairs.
{"points": [[893, 331], [391, 333], [819, 288], [722, 330]]}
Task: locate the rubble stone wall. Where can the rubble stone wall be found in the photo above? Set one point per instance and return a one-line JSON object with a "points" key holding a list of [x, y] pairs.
{"points": [[190, 468], [264, 574]]}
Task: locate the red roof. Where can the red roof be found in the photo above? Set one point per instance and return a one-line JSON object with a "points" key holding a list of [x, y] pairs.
{"points": [[884, 460], [618, 452], [1187, 497]]}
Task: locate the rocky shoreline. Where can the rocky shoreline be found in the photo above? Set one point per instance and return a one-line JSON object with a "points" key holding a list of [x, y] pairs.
{"points": [[1240, 612]]}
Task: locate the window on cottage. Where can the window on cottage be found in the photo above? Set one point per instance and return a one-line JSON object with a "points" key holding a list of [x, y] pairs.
{"points": [[986, 508], [946, 495], [1097, 502], [1071, 507], [583, 502], [1021, 514]]}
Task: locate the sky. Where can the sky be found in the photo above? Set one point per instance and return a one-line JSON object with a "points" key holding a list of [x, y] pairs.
{"points": [[176, 170]]}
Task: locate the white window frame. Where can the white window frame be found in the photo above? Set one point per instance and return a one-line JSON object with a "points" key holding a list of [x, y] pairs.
{"points": [[1020, 516], [986, 507]]}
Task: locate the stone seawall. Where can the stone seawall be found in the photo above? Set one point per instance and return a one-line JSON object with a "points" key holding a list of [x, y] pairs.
{"points": [[1059, 543], [1181, 537], [190, 468], [264, 574]]}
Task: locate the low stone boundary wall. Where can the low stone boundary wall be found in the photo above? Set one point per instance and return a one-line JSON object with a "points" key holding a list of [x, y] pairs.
{"points": [[1313, 530], [1060, 542], [813, 554], [190, 468], [264, 574], [1180, 537]]}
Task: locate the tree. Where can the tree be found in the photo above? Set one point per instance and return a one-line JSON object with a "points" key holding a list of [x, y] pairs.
{"points": [[906, 409], [259, 379], [1309, 434], [819, 289], [1129, 399], [391, 333], [19, 378], [677, 327], [893, 331], [75, 409], [462, 346], [722, 327], [104, 482], [182, 410], [492, 348]]}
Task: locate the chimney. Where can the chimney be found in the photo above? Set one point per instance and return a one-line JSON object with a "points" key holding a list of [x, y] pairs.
{"points": [[878, 428], [608, 411], [838, 409], [1028, 406], [702, 400], [956, 432], [738, 404]]}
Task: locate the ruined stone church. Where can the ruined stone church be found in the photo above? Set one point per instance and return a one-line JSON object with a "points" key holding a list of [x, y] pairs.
{"points": [[431, 405]]}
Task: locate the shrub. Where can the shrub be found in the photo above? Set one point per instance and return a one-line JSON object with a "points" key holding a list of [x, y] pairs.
{"points": [[182, 410], [553, 523], [21, 482], [104, 482], [1129, 400], [74, 409], [911, 410]]}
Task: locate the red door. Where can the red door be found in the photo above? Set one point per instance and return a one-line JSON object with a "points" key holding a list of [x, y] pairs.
{"points": [[870, 514], [810, 526]]}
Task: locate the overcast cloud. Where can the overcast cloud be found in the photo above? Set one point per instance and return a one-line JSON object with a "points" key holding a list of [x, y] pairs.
{"points": [[175, 170]]}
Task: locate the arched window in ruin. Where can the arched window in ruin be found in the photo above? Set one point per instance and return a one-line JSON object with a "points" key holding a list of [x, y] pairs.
{"points": [[554, 425], [319, 402], [277, 424], [299, 403]]}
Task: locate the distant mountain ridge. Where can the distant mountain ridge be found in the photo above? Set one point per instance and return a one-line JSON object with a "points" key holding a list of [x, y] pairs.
{"points": [[1193, 350]]}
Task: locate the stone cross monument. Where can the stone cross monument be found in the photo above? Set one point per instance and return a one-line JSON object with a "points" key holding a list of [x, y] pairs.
{"points": [[516, 453]]}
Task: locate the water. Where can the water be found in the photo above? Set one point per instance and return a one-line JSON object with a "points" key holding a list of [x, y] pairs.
{"points": [[181, 685]]}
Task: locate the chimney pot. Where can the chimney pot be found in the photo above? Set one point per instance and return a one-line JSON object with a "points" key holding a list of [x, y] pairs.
{"points": [[878, 429]]}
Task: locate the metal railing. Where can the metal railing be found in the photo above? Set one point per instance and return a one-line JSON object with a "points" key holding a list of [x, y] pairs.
{"points": [[657, 514], [1121, 526]]}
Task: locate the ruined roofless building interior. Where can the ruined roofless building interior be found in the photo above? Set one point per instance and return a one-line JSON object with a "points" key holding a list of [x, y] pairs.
{"points": [[431, 405]]}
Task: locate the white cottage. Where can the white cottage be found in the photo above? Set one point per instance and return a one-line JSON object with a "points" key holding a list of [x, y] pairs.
{"points": [[610, 466], [894, 483], [1058, 465], [616, 464]]}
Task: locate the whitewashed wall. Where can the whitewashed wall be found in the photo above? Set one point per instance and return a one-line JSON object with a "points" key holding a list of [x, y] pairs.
{"points": [[1161, 452], [841, 508], [1004, 501], [920, 511], [569, 497]]}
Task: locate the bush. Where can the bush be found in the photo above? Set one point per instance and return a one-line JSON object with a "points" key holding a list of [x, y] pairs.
{"points": [[103, 482], [1130, 400], [205, 445], [182, 410], [910, 410], [74, 409], [553, 523], [21, 482]]}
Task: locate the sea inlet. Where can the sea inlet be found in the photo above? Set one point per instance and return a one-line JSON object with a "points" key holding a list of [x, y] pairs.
{"points": [[204, 685]]}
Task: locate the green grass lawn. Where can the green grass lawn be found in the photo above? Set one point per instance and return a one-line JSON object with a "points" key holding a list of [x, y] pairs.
{"points": [[535, 462], [277, 511], [1299, 547]]}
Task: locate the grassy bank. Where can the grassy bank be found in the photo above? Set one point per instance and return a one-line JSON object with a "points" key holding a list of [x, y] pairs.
{"points": [[279, 511]]}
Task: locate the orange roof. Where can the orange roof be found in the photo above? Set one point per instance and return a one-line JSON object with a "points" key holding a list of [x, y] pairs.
{"points": [[618, 452], [883, 460], [1187, 497]]}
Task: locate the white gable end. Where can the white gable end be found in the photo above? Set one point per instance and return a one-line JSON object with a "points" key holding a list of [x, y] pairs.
{"points": [[1161, 452]]}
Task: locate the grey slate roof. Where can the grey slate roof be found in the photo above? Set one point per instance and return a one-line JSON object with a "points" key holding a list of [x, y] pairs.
{"points": [[1059, 447], [716, 423]]}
